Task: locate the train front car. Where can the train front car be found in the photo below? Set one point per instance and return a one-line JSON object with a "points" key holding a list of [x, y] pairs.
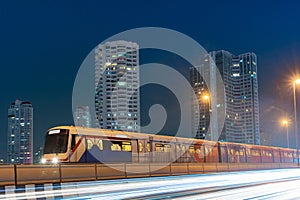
{"points": [[56, 146]]}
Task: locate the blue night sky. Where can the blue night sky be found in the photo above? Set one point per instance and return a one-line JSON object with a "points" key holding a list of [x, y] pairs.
{"points": [[43, 43]]}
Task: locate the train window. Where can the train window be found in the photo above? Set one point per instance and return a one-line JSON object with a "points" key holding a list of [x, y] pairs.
{"points": [[178, 148], [89, 144], [268, 154], [183, 149], [115, 147], [256, 153], [241, 153], [56, 141], [100, 144], [207, 150], [231, 152], [73, 142], [248, 152], [199, 153], [148, 147], [141, 148], [159, 147], [191, 150], [167, 148], [162, 147], [126, 146]]}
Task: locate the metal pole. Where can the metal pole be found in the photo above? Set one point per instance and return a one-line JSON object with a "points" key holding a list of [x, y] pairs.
{"points": [[296, 124], [287, 136], [210, 119]]}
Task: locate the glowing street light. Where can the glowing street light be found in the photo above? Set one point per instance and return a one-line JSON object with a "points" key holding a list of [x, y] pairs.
{"points": [[296, 82], [285, 122], [206, 97]]}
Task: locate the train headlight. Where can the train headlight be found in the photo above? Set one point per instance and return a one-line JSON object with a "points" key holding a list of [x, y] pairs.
{"points": [[43, 161], [55, 160]]}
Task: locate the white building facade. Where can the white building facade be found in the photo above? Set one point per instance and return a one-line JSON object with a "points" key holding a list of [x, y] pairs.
{"points": [[117, 99]]}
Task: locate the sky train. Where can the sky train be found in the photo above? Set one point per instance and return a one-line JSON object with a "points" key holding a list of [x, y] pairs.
{"points": [[70, 144]]}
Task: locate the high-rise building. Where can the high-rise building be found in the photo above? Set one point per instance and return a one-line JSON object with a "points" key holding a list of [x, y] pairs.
{"points": [[37, 155], [223, 63], [117, 98], [20, 133], [239, 75], [82, 116], [244, 105], [200, 105]]}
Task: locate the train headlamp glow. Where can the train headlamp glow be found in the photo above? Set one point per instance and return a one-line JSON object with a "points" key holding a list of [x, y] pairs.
{"points": [[55, 160], [43, 160]]}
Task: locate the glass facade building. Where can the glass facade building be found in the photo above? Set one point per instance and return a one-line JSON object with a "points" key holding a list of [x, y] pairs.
{"points": [[117, 86], [239, 75], [82, 116], [20, 133]]}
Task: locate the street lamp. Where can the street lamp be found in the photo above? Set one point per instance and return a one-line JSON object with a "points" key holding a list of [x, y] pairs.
{"points": [[285, 122], [296, 82], [206, 97]]}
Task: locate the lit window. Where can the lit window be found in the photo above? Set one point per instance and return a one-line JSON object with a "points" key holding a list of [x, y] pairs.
{"points": [[141, 147], [159, 148], [148, 147], [115, 147], [191, 150], [100, 144], [89, 144], [126, 146]]}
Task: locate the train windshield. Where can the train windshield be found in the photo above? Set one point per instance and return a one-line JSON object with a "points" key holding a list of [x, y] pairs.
{"points": [[56, 141]]}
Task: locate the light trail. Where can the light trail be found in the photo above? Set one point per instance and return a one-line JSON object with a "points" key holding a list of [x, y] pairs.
{"points": [[232, 185]]}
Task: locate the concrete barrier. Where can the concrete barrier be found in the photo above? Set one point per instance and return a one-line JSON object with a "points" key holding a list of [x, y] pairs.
{"points": [[160, 169], [195, 168], [81, 172], [252, 166], [7, 175], [137, 170], [37, 174], [242, 167], [111, 171], [179, 168], [288, 165], [210, 167], [222, 167]]}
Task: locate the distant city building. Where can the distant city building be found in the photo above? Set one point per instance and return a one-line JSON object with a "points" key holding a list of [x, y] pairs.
{"points": [[82, 116], [20, 133], [201, 116], [239, 74], [244, 106], [38, 155], [117, 86], [223, 62]]}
